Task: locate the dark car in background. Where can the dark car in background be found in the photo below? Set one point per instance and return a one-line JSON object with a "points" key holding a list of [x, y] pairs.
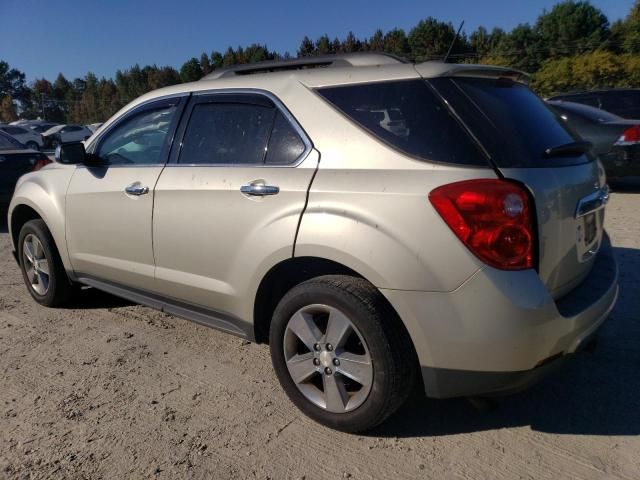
{"points": [[15, 161], [624, 102], [615, 140]]}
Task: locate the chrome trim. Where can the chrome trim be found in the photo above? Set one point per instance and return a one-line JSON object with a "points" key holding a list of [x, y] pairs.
{"points": [[593, 202], [259, 189], [136, 189]]}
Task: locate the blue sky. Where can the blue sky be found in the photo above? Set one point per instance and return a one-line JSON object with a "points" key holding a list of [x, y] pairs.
{"points": [[43, 38]]}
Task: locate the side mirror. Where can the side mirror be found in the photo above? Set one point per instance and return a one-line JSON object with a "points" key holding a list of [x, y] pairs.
{"points": [[74, 154], [70, 153]]}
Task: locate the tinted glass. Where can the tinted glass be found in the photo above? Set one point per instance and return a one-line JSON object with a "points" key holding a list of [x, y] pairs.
{"points": [[624, 104], [71, 128], [408, 116], [511, 122], [285, 145], [138, 140], [9, 143], [227, 133], [14, 130]]}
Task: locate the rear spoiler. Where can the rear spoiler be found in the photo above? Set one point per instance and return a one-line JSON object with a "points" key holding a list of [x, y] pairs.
{"points": [[441, 69]]}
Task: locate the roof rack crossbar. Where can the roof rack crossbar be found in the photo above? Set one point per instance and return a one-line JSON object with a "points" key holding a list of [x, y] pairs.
{"points": [[322, 61]]}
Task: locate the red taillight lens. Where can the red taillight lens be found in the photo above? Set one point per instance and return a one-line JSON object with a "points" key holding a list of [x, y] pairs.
{"points": [[630, 136], [493, 219], [41, 162]]}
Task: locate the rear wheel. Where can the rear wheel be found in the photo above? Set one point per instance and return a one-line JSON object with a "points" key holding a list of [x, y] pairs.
{"points": [[41, 266], [340, 352], [33, 146]]}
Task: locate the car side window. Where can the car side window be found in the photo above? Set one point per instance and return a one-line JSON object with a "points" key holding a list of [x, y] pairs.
{"points": [[139, 139], [227, 134], [285, 145]]}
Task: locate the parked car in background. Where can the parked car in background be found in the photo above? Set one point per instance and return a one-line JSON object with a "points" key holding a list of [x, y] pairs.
{"points": [[65, 134], [465, 246], [624, 102], [24, 135], [15, 161], [42, 127], [615, 140], [94, 126]]}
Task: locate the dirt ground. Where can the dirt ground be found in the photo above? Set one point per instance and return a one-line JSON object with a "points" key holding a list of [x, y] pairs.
{"points": [[108, 389]]}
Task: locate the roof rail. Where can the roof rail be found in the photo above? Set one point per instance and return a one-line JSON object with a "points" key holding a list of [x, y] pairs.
{"points": [[360, 59]]}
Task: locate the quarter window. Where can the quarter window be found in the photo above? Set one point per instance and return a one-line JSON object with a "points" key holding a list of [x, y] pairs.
{"points": [[285, 145], [138, 140]]}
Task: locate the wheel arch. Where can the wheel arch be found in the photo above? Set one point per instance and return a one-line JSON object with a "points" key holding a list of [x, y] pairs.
{"points": [[281, 278], [288, 273]]}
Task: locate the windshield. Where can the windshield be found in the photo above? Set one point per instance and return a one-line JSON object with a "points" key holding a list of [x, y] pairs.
{"points": [[55, 129]]}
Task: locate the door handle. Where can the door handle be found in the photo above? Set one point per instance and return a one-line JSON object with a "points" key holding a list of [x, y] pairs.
{"points": [[259, 189], [136, 189]]}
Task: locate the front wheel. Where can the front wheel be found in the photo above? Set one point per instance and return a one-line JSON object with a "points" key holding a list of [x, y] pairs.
{"points": [[33, 146], [340, 352], [41, 266]]}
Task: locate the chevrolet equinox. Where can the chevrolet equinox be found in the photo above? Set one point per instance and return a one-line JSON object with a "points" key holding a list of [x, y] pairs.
{"points": [[378, 223]]}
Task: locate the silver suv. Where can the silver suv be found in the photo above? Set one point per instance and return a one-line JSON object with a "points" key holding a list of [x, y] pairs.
{"points": [[464, 250]]}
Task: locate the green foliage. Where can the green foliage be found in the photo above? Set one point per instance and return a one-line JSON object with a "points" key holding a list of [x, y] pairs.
{"points": [[600, 69], [571, 27], [430, 38], [191, 70]]}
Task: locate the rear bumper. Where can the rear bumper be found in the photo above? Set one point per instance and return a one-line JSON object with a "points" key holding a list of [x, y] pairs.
{"points": [[502, 331]]}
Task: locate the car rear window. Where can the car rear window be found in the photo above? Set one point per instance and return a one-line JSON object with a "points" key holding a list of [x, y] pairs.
{"points": [[408, 116], [511, 122]]}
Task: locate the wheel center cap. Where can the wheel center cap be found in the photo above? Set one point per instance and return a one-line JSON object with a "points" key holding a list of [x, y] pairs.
{"points": [[325, 358]]}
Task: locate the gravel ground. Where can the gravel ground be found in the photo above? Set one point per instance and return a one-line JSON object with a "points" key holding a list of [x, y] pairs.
{"points": [[107, 389]]}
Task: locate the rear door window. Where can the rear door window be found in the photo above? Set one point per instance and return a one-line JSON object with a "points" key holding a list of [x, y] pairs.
{"points": [[408, 116], [239, 129], [512, 123], [227, 134]]}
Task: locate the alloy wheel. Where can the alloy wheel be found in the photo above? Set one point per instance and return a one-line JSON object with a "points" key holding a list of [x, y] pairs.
{"points": [[36, 265], [327, 358]]}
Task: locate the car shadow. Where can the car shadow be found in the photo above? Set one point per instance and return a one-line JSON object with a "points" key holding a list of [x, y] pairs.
{"points": [[593, 393], [625, 185], [3, 221], [92, 299]]}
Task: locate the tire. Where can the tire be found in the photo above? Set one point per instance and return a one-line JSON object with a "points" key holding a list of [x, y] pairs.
{"points": [[53, 289], [376, 334], [33, 146]]}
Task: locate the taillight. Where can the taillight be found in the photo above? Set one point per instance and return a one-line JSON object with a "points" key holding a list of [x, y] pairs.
{"points": [[493, 218], [41, 162], [630, 136]]}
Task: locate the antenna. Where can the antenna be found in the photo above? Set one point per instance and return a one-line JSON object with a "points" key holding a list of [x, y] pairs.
{"points": [[446, 57]]}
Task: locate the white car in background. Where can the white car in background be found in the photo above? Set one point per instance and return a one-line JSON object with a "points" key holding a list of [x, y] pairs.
{"points": [[94, 126], [65, 134], [24, 135]]}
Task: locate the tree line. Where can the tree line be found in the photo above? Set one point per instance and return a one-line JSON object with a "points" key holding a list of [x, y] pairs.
{"points": [[573, 46]]}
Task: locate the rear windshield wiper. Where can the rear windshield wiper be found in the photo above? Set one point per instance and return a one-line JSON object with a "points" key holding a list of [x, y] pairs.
{"points": [[568, 149]]}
